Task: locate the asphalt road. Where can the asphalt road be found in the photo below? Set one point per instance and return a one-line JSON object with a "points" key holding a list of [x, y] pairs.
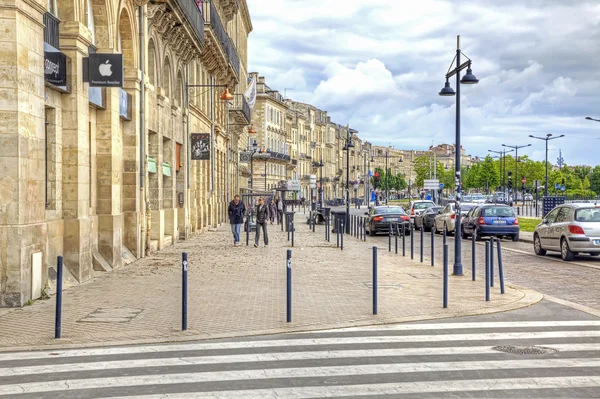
{"points": [[577, 281]]}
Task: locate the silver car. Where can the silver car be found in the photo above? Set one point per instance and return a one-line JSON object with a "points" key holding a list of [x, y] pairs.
{"points": [[569, 229]]}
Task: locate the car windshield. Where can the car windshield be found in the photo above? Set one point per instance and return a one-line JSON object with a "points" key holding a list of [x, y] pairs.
{"points": [[423, 205], [391, 209], [587, 215], [498, 211]]}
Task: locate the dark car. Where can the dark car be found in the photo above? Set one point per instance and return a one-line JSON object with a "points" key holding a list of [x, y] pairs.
{"points": [[380, 218], [491, 220], [427, 218]]}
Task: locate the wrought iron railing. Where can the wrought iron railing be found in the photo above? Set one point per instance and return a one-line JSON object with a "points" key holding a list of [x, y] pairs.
{"points": [[228, 48], [279, 155], [240, 104], [51, 30], [194, 15]]}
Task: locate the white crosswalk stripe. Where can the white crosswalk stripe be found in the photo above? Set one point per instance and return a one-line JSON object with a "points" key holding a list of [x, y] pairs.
{"points": [[378, 360]]}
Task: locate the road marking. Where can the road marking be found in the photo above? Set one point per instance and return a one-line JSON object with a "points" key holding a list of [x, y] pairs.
{"points": [[301, 372], [269, 357], [304, 341], [417, 387]]}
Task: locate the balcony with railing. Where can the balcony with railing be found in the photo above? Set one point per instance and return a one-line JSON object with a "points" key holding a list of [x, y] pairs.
{"points": [[240, 110], [218, 38], [194, 16], [51, 30], [280, 156]]}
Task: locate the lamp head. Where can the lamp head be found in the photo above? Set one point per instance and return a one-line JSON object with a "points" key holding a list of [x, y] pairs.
{"points": [[226, 96], [589, 118], [254, 145], [447, 90], [469, 78], [251, 130], [350, 145], [532, 136]]}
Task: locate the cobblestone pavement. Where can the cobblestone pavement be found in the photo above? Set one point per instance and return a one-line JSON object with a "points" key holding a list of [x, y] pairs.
{"points": [[236, 291], [575, 281]]}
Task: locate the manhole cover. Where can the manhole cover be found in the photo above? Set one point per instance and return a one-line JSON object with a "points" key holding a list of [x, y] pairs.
{"points": [[524, 350], [383, 284], [111, 315], [424, 276]]}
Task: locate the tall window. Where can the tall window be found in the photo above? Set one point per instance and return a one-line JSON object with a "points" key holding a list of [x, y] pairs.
{"points": [[90, 21], [52, 9]]}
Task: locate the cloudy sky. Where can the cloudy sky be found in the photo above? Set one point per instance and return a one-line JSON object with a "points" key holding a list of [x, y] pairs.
{"points": [[379, 65]]}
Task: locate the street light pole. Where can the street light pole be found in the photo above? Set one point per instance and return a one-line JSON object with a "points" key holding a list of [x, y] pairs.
{"points": [[546, 139], [347, 148], [387, 178], [254, 147], [469, 78], [516, 148]]}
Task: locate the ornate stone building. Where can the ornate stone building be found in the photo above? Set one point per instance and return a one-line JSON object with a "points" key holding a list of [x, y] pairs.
{"points": [[103, 175]]}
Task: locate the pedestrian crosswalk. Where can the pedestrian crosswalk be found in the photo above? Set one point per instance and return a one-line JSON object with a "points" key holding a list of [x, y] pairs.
{"points": [[487, 359]]}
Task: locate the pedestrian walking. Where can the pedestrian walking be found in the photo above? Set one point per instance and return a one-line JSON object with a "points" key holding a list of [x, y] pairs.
{"points": [[272, 211], [262, 216], [279, 211], [236, 212]]}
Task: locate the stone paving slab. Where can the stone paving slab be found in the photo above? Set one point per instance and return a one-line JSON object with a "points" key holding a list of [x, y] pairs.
{"points": [[235, 291]]}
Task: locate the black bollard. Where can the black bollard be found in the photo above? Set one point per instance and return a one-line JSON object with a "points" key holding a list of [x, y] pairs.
{"points": [[337, 231], [432, 248], [500, 267], [421, 249], [396, 232], [184, 289], [412, 243], [374, 280], [445, 293], [59, 284], [289, 287], [283, 217], [444, 235], [390, 237], [360, 228], [404, 240], [342, 235], [314, 223], [288, 227], [365, 229], [473, 256], [487, 270], [248, 230], [492, 239], [293, 230]]}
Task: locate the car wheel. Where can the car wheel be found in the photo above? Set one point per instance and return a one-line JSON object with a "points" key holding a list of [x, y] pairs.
{"points": [[565, 251], [477, 235], [515, 238], [463, 235], [371, 232], [594, 254], [434, 229], [448, 232]]}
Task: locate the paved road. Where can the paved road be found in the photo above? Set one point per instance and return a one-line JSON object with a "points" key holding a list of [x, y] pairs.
{"points": [[575, 281], [557, 355]]}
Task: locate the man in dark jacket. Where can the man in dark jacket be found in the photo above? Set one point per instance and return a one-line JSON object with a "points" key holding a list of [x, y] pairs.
{"points": [[236, 212], [262, 218]]}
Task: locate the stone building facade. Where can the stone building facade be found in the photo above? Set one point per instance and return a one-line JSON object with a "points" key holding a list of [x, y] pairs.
{"points": [[103, 176]]}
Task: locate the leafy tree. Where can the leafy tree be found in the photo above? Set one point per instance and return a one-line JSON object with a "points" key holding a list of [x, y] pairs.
{"points": [[595, 179]]}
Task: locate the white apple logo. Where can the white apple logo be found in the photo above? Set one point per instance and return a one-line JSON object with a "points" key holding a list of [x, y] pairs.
{"points": [[105, 69]]}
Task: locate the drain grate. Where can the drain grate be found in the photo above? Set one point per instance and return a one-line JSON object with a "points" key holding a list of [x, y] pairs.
{"points": [[524, 350], [111, 315]]}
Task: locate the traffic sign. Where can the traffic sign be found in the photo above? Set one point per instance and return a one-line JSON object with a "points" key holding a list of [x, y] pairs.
{"points": [[431, 184], [293, 185], [441, 185], [523, 180]]}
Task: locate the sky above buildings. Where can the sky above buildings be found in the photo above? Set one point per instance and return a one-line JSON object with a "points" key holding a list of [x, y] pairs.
{"points": [[379, 65]]}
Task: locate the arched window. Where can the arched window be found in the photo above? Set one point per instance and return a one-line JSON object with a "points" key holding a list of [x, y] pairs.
{"points": [[151, 63], [166, 81], [179, 89]]}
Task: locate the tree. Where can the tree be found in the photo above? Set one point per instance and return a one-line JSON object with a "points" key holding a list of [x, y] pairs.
{"points": [[489, 174]]}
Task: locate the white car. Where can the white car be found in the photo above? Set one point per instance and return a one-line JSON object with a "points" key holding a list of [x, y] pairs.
{"points": [[478, 199], [446, 218], [417, 207]]}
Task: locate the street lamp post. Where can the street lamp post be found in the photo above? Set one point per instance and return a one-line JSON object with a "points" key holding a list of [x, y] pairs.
{"points": [[516, 148], [502, 157], [347, 148], [320, 166], [254, 148], [469, 78], [546, 139]]}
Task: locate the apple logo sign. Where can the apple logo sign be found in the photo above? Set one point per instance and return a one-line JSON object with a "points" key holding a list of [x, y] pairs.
{"points": [[105, 69]]}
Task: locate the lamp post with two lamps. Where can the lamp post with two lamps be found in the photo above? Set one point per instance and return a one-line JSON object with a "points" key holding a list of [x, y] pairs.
{"points": [[347, 148], [516, 148], [546, 139], [320, 191], [468, 78]]}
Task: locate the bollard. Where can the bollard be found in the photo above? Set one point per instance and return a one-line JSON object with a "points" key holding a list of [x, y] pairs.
{"points": [[445, 299], [444, 234], [473, 256], [248, 230], [59, 284], [184, 287], [390, 237], [337, 231], [412, 243], [283, 216], [360, 228], [314, 223], [421, 249], [327, 229], [365, 229], [293, 230], [342, 235], [492, 239], [500, 267], [404, 239], [374, 280], [288, 226], [487, 270], [396, 232], [432, 248], [288, 317]]}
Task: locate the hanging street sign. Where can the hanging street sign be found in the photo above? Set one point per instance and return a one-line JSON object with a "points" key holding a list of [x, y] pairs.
{"points": [[105, 70]]}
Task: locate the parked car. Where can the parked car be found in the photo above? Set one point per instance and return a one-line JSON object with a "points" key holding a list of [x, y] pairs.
{"points": [[477, 198], [569, 229], [446, 218], [417, 207], [380, 217], [491, 220], [426, 218], [528, 197], [498, 198]]}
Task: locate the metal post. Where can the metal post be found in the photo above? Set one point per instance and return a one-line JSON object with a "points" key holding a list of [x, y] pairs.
{"points": [[421, 249], [500, 267], [444, 234], [248, 229], [445, 289], [287, 227], [337, 231], [288, 318], [314, 223], [412, 243], [432, 248], [404, 241], [473, 256], [396, 232], [492, 261], [374, 280], [293, 230], [184, 288], [457, 270], [59, 284], [342, 234], [327, 229], [487, 270], [390, 237]]}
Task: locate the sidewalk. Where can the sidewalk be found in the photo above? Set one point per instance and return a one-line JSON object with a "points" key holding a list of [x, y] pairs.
{"points": [[235, 291]]}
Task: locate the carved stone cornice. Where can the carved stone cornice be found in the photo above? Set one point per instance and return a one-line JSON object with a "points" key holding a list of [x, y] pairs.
{"points": [[140, 3], [229, 8], [168, 25]]}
